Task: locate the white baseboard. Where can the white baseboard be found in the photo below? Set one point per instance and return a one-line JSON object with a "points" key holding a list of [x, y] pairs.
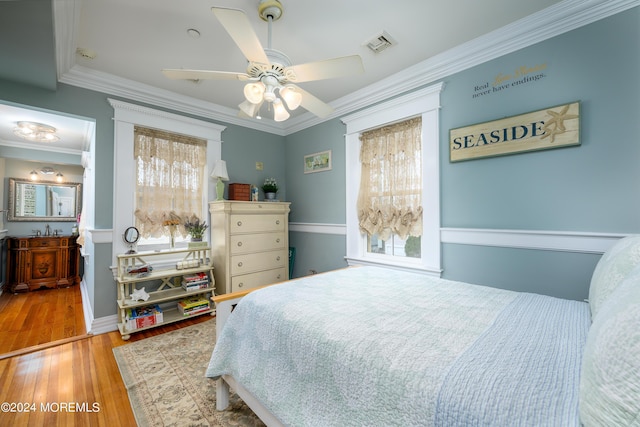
{"points": [[86, 306], [95, 326], [104, 324]]}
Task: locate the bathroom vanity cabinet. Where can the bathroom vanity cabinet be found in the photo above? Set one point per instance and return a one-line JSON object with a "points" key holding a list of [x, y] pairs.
{"points": [[44, 261]]}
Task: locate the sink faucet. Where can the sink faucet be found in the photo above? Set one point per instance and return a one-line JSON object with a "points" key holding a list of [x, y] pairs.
{"points": [[47, 230]]}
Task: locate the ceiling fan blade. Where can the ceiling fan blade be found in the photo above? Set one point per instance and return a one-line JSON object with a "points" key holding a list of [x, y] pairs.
{"points": [[239, 28], [313, 104], [328, 69], [181, 74]]}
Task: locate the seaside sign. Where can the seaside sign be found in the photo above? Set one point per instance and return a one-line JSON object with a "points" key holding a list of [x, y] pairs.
{"points": [[539, 130]]}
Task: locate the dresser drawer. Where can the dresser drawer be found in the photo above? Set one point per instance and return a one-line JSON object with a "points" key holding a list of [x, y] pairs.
{"points": [[253, 280], [249, 263], [242, 243], [256, 223]]}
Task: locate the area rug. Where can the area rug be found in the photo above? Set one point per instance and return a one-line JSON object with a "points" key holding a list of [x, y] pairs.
{"points": [[164, 377]]}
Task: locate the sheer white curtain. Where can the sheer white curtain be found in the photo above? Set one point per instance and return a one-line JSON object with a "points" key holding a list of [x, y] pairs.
{"points": [[390, 197], [169, 180]]}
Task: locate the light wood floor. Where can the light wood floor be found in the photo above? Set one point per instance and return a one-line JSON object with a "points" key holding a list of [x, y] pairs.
{"points": [[45, 386], [39, 317]]}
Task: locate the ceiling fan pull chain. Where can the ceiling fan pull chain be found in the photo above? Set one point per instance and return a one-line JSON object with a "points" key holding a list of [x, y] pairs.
{"points": [[269, 31]]}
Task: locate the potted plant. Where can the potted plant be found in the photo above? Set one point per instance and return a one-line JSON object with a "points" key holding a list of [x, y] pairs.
{"points": [[270, 188], [195, 228]]}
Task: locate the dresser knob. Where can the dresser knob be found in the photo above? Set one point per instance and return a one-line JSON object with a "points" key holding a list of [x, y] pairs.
{"points": [[278, 222], [239, 243], [240, 264], [279, 275], [278, 240], [239, 223], [278, 259], [240, 284]]}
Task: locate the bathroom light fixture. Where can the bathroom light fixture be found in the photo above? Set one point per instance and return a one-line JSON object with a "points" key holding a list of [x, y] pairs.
{"points": [[47, 171], [38, 132]]}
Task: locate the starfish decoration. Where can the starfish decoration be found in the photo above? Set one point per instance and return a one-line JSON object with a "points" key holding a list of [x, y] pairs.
{"points": [[555, 126], [139, 294]]}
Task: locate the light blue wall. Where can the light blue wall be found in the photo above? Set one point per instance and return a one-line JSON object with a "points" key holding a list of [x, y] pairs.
{"points": [[317, 198], [585, 188], [571, 188], [320, 196], [243, 147], [590, 188]]}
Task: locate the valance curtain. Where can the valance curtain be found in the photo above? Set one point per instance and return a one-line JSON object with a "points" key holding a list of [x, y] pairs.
{"points": [[169, 181], [390, 197]]}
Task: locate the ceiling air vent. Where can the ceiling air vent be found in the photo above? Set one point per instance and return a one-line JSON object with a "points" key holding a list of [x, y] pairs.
{"points": [[380, 42]]}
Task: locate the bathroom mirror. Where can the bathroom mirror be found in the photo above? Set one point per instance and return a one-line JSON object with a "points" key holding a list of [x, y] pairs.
{"points": [[43, 201]]}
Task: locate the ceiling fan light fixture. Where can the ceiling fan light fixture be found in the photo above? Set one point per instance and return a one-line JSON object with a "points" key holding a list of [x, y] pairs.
{"points": [[280, 114], [291, 97], [254, 92], [270, 96], [249, 108]]}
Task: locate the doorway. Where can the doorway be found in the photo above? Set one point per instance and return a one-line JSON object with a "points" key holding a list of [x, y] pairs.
{"points": [[42, 317]]}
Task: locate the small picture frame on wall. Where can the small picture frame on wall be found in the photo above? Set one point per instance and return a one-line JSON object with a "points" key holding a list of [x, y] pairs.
{"points": [[317, 162]]}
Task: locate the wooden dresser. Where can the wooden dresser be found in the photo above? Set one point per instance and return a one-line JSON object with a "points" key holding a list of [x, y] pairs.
{"points": [[48, 261], [249, 244]]}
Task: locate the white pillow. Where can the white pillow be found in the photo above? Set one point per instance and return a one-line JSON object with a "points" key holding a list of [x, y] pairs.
{"points": [[610, 377], [612, 269]]}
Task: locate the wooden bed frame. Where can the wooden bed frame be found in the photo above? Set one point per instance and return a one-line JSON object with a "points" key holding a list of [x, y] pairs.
{"points": [[224, 306]]}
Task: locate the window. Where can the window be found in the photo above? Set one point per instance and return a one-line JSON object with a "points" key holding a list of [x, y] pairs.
{"points": [[126, 117], [390, 194], [411, 250], [169, 181]]}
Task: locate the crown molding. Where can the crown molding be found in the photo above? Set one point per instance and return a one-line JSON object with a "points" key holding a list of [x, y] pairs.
{"points": [[40, 147], [66, 17], [128, 89], [550, 22]]}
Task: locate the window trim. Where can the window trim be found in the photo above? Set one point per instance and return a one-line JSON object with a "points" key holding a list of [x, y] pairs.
{"points": [[126, 116], [424, 102]]}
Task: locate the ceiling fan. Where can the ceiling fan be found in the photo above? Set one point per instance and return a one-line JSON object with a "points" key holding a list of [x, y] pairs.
{"points": [[270, 71]]}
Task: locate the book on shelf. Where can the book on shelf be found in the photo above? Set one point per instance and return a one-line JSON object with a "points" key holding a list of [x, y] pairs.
{"points": [[196, 277], [194, 286], [140, 317], [191, 306], [191, 302], [193, 310]]}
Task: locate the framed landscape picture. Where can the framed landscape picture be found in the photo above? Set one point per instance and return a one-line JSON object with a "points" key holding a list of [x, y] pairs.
{"points": [[317, 162]]}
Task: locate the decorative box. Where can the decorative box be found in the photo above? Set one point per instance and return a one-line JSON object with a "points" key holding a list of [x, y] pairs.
{"points": [[240, 192], [142, 317]]}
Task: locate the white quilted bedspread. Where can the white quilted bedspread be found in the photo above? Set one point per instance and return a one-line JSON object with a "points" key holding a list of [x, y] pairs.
{"points": [[365, 347]]}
